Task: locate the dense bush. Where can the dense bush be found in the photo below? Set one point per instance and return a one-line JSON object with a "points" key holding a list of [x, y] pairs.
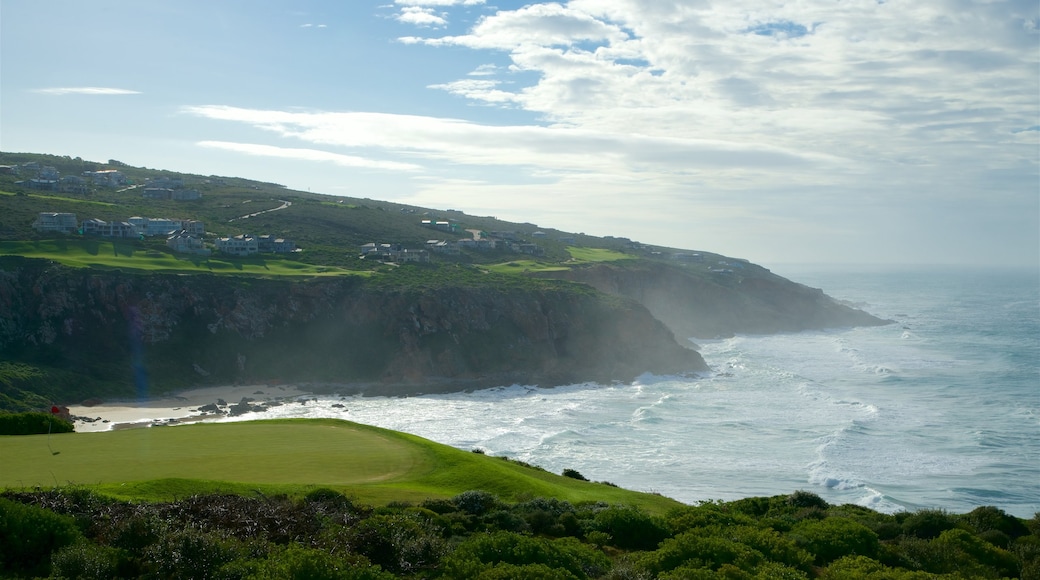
{"points": [[73, 533], [29, 534], [33, 423], [832, 538], [630, 528]]}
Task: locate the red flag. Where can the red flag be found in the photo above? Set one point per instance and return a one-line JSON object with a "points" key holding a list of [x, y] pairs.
{"points": [[55, 410]]}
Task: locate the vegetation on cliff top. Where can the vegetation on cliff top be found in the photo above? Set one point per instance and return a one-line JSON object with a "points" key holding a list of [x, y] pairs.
{"points": [[72, 532], [294, 498]]}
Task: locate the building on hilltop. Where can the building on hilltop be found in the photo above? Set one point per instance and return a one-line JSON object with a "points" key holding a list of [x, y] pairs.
{"points": [[241, 245], [184, 242], [73, 184], [101, 228], [107, 177], [149, 227], [55, 222], [267, 243]]}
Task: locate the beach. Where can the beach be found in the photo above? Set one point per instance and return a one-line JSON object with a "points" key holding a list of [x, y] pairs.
{"points": [[183, 407]]}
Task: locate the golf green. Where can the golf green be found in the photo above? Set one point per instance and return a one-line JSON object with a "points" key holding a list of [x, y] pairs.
{"points": [[334, 453]]}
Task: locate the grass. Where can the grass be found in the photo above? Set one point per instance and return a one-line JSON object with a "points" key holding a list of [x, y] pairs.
{"points": [[596, 255], [86, 252], [60, 198], [290, 456], [523, 266]]}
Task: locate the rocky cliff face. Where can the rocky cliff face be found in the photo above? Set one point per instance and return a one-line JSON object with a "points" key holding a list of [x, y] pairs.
{"points": [[742, 298], [170, 331]]}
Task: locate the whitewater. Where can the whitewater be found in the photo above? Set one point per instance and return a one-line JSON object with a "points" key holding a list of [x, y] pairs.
{"points": [[938, 410]]}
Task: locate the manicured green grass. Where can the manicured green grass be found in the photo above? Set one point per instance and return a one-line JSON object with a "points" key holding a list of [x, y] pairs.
{"points": [[290, 456], [523, 266], [60, 198], [596, 255], [85, 252]]}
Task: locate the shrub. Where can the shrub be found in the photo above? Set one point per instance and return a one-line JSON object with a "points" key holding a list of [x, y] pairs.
{"points": [[481, 554], [86, 561], [833, 538], [574, 474], [33, 423], [475, 502], [700, 549], [29, 535], [188, 553], [989, 518], [927, 524], [398, 543], [630, 528], [806, 499], [301, 563]]}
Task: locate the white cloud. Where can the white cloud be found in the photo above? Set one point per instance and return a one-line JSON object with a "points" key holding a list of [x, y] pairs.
{"points": [[86, 91], [420, 17], [308, 155], [438, 2]]}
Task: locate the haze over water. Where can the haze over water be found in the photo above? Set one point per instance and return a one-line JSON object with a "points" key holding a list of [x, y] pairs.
{"points": [[939, 410]]}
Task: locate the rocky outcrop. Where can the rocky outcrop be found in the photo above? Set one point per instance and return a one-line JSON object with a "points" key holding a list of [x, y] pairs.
{"points": [[172, 331], [700, 301]]}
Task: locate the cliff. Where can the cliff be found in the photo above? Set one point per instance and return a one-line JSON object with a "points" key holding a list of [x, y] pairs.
{"points": [[115, 331], [697, 301]]}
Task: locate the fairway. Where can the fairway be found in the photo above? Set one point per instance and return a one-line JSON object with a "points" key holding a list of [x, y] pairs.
{"points": [[288, 456], [91, 252], [335, 453]]}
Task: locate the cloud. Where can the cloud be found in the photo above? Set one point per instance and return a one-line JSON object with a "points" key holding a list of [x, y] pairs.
{"points": [[86, 91], [420, 17], [439, 2], [308, 155], [549, 152], [309, 25]]}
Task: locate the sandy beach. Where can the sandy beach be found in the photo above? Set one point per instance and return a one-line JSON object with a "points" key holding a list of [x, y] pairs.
{"points": [[187, 406]]}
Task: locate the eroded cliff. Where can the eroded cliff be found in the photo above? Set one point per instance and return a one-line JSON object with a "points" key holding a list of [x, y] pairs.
{"points": [[169, 331], [720, 300]]}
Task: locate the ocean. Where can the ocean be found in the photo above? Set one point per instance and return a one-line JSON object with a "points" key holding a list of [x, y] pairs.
{"points": [[939, 410]]}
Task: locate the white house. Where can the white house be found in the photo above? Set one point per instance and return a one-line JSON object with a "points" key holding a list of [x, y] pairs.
{"points": [[244, 245], [184, 242]]}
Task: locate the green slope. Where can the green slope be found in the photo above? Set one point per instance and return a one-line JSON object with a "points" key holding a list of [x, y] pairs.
{"points": [[284, 456]]}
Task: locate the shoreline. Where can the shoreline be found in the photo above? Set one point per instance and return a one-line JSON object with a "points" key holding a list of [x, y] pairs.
{"points": [[189, 406]]}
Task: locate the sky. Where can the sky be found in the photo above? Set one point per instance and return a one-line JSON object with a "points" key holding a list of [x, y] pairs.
{"points": [[807, 131]]}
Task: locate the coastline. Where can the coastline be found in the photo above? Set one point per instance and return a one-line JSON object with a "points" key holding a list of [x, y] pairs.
{"points": [[188, 406]]}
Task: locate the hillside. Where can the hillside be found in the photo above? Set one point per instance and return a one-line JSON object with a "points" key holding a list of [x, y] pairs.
{"points": [[490, 303]]}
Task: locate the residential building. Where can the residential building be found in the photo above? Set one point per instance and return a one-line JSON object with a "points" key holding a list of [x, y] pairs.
{"points": [[149, 227], [185, 194], [107, 177], [243, 245], [101, 228], [184, 242], [270, 244], [73, 184], [55, 222]]}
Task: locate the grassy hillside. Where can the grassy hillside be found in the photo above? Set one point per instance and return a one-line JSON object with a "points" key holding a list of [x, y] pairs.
{"points": [[329, 229], [292, 456]]}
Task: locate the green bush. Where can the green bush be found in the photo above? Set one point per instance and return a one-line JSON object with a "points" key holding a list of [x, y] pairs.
{"points": [[33, 423], [86, 561], [299, 563], [188, 554], [700, 549], [29, 535], [630, 528], [475, 502], [398, 543], [928, 524], [832, 538], [482, 553]]}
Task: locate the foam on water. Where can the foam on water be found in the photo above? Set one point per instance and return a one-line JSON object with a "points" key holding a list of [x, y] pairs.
{"points": [[928, 412]]}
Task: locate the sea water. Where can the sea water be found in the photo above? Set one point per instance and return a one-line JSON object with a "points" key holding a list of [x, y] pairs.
{"points": [[940, 409]]}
